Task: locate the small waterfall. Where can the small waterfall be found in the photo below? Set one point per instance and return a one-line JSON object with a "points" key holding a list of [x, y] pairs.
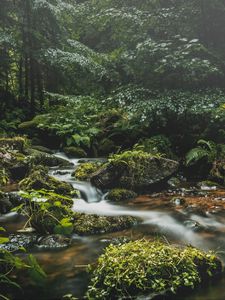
{"points": [[88, 192]]}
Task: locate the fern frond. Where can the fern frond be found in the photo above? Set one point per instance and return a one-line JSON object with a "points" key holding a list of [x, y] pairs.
{"points": [[195, 155]]}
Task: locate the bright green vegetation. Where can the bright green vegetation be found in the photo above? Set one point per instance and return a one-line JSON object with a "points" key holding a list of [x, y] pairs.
{"points": [[11, 265], [143, 267], [84, 171], [118, 195]]}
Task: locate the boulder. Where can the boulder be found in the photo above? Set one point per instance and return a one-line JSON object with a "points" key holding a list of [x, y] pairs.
{"points": [[39, 179], [85, 224], [76, 152], [134, 170], [118, 195], [53, 241], [5, 203]]}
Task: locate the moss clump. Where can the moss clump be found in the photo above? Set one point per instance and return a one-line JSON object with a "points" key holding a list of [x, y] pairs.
{"points": [[93, 224], [118, 195], [75, 152], [144, 267], [39, 179], [85, 170]]}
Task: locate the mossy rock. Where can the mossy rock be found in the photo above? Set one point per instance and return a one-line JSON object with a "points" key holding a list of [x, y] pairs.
{"points": [[75, 152], [16, 143], [84, 171], [39, 179], [42, 149], [36, 157], [119, 195], [5, 203], [134, 170], [85, 224], [144, 268]]}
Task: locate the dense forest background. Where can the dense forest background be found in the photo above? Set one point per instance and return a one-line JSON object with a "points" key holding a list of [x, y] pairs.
{"points": [[160, 62]]}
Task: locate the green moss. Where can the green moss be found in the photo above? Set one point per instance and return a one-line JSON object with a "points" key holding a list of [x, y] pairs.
{"points": [[50, 214], [75, 152], [117, 195], [39, 179], [144, 267], [84, 171], [93, 224]]}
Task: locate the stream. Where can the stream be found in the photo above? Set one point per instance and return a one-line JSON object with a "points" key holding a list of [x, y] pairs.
{"points": [[66, 268]]}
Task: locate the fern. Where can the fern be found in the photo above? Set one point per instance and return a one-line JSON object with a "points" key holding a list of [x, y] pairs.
{"points": [[205, 149]]}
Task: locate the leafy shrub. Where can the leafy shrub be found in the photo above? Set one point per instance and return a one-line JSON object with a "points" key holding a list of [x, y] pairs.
{"points": [[149, 267], [10, 263], [47, 212], [207, 151]]}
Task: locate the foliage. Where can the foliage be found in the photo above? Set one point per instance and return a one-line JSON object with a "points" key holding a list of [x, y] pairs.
{"points": [[149, 267], [11, 264], [155, 145], [47, 212], [206, 150]]}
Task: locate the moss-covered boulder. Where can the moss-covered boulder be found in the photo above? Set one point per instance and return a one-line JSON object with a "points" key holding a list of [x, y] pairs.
{"points": [[13, 165], [84, 171], [149, 268], [39, 179], [36, 157], [76, 152], [118, 195], [134, 170], [85, 224]]}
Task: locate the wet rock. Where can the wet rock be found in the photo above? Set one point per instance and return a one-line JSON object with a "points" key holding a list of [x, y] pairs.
{"points": [[42, 149], [36, 157], [178, 201], [174, 182], [193, 225], [118, 195], [134, 170], [208, 185], [75, 152], [85, 224], [53, 241], [5, 203], [39, 179], [84, 171], [18, 241]]}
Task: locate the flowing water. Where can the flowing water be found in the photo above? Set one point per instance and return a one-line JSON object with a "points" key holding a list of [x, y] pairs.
{"points": [[66, 268]]}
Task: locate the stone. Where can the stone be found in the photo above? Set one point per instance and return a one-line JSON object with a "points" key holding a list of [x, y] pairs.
{"points": [[134, 170], [53, 241]]}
